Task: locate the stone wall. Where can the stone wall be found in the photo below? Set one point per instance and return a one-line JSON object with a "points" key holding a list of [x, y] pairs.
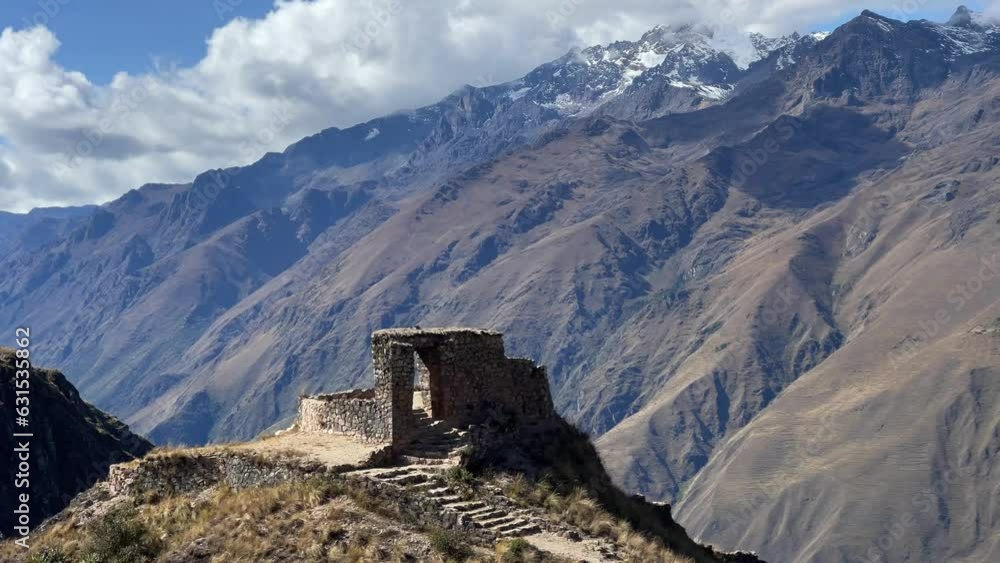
{"points": [[359, 413], [394, 370], [181, 473], [172, 474], [470, 374], [468, 378], [371, 415]]}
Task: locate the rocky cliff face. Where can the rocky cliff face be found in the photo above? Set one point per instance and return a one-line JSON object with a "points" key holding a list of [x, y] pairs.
{"points": [[71, 447]]}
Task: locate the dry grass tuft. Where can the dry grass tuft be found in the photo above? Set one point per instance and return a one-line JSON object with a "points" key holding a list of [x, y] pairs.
{"points": [[319, 519], [579, 509]]}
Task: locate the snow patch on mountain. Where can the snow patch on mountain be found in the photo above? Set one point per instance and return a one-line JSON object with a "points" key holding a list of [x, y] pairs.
{"points": [[967, 33], [708, 60], [706, 90]]}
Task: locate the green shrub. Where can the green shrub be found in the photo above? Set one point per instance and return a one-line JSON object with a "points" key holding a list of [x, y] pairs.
{"points": [[460, 476], [450, 544], [120, 537], [516, 551]]}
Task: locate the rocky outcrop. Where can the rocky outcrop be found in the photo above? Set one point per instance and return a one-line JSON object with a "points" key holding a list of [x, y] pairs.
{"points": [[186, 471], [70, 447], [182, 473]]}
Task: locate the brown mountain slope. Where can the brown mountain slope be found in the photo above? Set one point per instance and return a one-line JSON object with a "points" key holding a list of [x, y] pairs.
{"points": [[887, 448], [459, 254]]}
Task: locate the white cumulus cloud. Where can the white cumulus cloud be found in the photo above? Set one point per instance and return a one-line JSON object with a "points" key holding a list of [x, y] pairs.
{"points": [[306, 65]]}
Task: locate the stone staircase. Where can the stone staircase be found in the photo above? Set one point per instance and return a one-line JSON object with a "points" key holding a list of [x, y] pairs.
{"points": [[433, 449], [433, 443], [429, 483]]}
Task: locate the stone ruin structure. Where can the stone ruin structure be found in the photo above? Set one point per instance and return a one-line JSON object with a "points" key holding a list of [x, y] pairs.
{"points": [[460, 376]]}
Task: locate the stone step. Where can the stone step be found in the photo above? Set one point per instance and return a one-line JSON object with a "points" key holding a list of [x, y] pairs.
{"points": [[428, 429], [421, 445], [517, 523], [420, 448], [493, 522], [526, 530], [439, 441], [424, 486], [407, 479], [448, 499], [436, 435], [487, 513], [380, 472], [465, 506], [442, 456], [393, 472], [414, 460], [442, 491]]}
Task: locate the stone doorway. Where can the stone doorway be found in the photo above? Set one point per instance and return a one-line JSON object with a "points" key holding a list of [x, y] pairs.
{"points": [[430, 387]]}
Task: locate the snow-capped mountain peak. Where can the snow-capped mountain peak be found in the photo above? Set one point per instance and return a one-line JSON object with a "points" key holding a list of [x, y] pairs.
{"points": [[964, 17], [967, 32], [703, 60]]}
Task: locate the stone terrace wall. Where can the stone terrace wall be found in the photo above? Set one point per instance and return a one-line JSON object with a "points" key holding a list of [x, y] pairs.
{"points": [[182, 473], [166, 475], [370, 415], [363, 418]]}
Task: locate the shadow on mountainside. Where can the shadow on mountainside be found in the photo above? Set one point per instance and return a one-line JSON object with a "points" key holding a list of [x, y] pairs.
{"points": [[802, 162], [558, 454]]}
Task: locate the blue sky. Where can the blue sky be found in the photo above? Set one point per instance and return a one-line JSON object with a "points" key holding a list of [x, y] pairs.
{"points": [[86, 116], [101, 37], [934, 11]]}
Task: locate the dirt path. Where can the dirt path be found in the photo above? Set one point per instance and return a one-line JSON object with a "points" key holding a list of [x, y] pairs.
{"points": [[588, 550], [328, 449]]}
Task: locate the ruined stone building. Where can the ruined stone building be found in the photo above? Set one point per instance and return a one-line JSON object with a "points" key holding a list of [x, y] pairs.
{"points": [[459, 376]]}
